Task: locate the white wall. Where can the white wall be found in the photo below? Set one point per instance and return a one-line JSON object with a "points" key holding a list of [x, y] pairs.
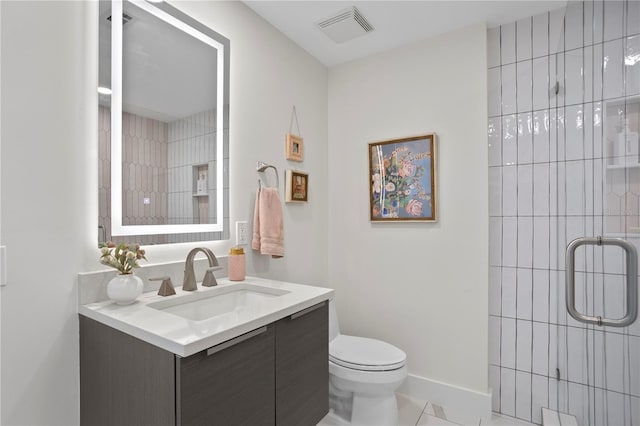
{"points": [[49, 179], [1, 240], [269, 75], [421, 286], [45, 161]]}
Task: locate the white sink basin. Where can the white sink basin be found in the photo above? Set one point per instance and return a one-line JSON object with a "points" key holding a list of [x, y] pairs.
{"points": [[192, 321], [216, 302]]}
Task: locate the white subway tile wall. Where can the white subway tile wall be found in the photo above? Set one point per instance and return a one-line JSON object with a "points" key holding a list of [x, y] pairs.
{"points": [[563, 163], [192, 148]]}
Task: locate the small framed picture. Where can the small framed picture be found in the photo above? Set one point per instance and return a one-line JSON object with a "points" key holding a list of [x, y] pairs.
{"points": [[294, 147], [297, 187]]}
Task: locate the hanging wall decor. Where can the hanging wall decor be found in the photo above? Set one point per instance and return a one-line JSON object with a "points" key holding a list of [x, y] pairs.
{"points": [[294, 143], [402, 177], [297, 187], [294, 147]]}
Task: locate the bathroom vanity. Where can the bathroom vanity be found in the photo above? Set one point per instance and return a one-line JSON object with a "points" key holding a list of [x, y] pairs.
{"points": [[252, 359]]}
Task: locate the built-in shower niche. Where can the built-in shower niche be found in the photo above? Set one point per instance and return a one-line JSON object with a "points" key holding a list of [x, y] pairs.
{"points": [[622, 190], [200, 190]]}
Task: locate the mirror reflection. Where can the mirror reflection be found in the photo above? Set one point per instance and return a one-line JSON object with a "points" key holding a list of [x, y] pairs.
{"points": [[163, 176]]}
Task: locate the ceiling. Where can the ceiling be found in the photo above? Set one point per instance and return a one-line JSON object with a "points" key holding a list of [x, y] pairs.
{"points": [[167, 74], [396, 23]]}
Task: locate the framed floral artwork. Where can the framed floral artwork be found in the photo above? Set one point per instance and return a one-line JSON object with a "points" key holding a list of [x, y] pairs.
{"points": [[402, 179]]}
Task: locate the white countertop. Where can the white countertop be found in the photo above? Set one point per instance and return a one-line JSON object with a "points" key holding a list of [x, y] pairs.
{"points": [[185, 337]]}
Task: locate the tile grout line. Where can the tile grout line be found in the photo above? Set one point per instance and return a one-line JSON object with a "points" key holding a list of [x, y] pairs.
{"points": [[422, 412], [501, 223]]}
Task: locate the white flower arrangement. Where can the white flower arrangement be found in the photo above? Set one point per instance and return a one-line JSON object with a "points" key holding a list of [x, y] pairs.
{"points": [[123, 257]]}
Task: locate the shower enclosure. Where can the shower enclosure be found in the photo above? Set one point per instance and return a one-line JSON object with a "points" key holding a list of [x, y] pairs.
{"points": [[564, 164]]}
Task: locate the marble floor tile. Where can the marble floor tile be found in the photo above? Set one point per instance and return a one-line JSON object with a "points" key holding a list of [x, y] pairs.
{"points": [[331, 420], [409, 409], [453, 416], [415, 412], [429, 420], [500, 420]]}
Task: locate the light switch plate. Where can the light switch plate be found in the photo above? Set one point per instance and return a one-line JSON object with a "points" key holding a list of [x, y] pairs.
{"points": [[242, 233]]}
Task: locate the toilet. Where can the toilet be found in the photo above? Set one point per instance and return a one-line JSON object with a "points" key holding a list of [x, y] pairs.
{"points": [[363, 377]]}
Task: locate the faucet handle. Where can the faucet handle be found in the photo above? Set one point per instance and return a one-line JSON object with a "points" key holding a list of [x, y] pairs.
{"points": [[166, 288], [210, 279]]}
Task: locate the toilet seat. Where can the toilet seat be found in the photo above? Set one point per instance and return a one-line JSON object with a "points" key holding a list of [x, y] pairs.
{"points": [[361, 353]]}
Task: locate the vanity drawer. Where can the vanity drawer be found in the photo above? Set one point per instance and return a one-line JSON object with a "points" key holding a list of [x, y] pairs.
{"points": [[229, 384], [302, 367], [123, 380]]}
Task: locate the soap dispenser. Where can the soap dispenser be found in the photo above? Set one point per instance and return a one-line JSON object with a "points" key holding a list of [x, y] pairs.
{"points": [[236, 264]]}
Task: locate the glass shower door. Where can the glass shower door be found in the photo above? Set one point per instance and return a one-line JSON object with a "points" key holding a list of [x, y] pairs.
{"points": [[597, 191]]}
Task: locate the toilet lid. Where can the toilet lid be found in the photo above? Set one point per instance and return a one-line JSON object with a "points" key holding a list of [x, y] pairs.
{"points": [[361, 353]]}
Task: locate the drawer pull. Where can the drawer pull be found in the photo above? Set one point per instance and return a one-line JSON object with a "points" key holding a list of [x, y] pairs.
{"points": [[239, 339], [306, 311]]}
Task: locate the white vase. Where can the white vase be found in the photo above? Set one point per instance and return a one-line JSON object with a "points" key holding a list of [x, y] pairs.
{"points": [[124, 289]]}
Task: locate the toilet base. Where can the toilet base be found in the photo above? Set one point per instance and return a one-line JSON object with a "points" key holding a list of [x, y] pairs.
{"points": [[340, 402], [374, 410], [365, 397], [366, 410]]}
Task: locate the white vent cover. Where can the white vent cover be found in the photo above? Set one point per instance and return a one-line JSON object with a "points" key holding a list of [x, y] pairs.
{"points": [[345, 25]]}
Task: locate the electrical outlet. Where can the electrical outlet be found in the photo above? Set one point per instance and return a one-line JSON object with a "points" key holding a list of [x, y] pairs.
{"points": [[242, 233]]}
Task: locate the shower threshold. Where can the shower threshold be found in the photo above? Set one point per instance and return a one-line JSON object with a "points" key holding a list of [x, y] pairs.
{"points": [[554, 418]]}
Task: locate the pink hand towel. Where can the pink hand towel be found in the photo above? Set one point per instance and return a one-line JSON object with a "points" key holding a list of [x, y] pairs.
{"points": [[268, 231]]}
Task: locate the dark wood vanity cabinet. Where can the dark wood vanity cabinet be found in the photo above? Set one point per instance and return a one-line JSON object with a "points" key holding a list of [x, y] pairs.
{"points": [[302, 373], [123, 380], [275, 375], [231, 386]]}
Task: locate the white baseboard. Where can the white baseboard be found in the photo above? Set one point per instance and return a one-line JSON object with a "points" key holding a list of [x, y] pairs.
{"points": [[475, 404]]}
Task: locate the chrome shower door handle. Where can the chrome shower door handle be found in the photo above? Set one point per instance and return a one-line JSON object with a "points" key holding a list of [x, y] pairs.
{"points": [[631, 312]]}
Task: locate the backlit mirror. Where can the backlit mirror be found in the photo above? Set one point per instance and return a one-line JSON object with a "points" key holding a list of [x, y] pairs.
{"points": [[163, 126]]}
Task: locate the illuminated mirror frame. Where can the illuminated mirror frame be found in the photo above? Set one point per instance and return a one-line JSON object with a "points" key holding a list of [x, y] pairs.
{"points": [[196, 30]]}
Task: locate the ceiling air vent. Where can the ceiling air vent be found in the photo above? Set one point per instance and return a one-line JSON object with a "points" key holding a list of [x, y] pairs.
{"points": [[345, 25]]}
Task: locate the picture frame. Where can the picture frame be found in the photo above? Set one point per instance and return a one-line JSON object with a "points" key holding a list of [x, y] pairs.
{"points": [[294, 147], [402, 180], [297, 187]]}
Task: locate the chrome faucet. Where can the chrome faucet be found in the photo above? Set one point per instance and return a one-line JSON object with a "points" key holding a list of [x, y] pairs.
{"points": [[189, 282]]}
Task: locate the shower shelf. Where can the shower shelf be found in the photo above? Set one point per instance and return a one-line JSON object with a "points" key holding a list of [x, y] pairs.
{"points": [[623, 166], [622, 115]]}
